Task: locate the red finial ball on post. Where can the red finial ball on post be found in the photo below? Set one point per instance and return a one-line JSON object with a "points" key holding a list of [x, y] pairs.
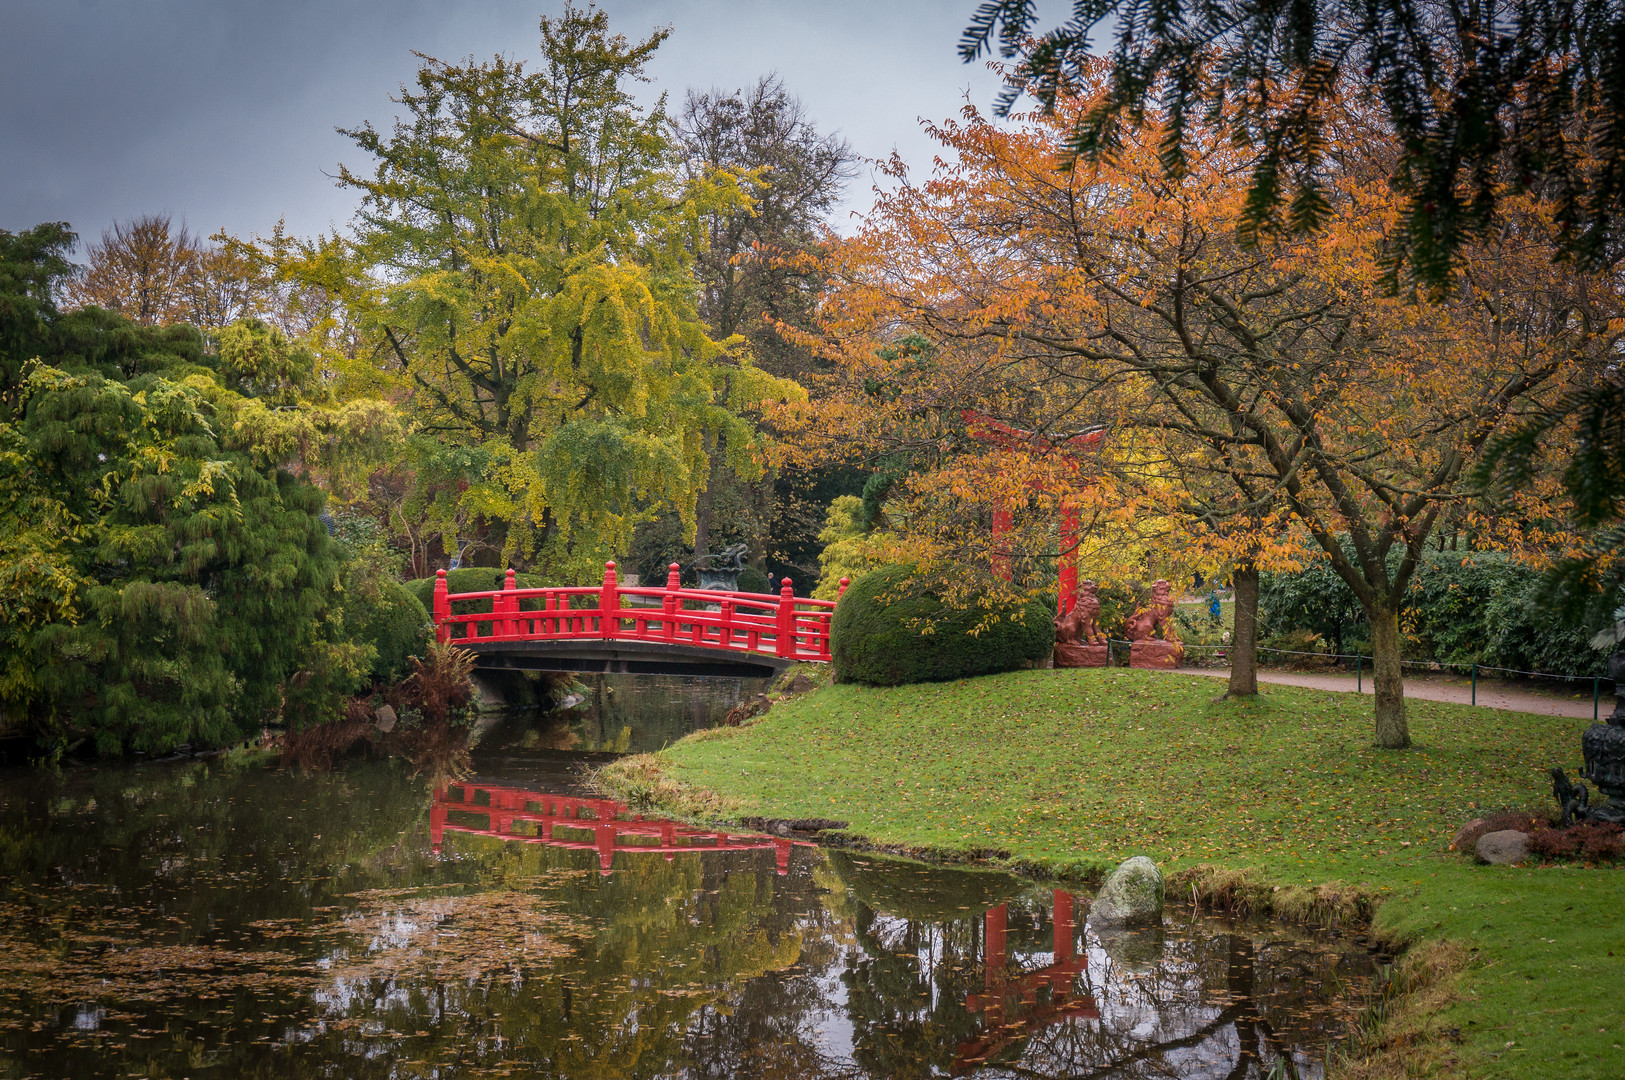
{"points": [[784, 627], [442, 606], [842, 590], [674, 577]]}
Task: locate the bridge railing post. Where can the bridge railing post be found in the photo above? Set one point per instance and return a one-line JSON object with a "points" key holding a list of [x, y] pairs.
{"points": [[671, 603], [609, 604], [510, 607], [442, 607], [785, 628]]}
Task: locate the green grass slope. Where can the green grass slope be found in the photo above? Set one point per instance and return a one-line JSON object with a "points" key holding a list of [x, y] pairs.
{"points": [[1077, 770]]}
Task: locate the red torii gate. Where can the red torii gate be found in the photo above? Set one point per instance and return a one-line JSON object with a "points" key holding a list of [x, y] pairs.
{"points": [[999, 434], [506, 806]]}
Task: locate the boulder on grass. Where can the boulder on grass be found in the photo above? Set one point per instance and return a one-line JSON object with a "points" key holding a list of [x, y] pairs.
{"points": [[1502, 848], [1132, 894]]}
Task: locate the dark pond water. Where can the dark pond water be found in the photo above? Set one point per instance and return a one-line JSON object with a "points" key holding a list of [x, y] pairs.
{"points": [[225, 918]]}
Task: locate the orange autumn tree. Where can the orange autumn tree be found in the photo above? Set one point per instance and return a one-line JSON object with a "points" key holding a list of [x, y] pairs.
{"points": [[1270, 393]]}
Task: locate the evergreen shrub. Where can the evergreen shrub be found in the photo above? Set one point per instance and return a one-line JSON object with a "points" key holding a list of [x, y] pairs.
{"points": [[396, 624], [1481, 607], [890, 629], [753, 580], [474, 579]]}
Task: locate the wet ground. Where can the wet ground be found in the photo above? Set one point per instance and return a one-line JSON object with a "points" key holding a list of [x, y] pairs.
{"points": [[229, 918]]}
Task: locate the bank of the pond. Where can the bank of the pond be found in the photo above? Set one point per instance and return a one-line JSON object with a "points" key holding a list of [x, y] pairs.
{"points": [[1076, 770]]}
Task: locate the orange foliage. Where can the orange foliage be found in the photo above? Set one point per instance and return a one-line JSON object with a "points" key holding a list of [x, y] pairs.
{"points": [[1258, 398]]}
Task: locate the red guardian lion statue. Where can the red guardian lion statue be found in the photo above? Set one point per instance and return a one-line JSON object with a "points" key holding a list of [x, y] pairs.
{"points": [[1078, 640], [1145, 627]]}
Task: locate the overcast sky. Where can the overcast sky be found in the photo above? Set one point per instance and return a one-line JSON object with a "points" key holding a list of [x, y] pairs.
{"points": [[221, 112]]}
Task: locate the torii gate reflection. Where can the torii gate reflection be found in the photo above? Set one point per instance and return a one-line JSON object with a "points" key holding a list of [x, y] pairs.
{"points": [[505, 807], [1011, 1006]]}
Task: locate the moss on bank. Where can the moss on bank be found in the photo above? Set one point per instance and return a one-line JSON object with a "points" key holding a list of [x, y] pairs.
{"points": [[1072, 771]]}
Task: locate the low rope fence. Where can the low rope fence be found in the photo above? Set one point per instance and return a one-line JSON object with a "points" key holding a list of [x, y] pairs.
{"points": [[1470, 669]]}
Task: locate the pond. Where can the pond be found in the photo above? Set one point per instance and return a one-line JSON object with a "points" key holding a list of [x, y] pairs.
{"points": [[229, 918]]}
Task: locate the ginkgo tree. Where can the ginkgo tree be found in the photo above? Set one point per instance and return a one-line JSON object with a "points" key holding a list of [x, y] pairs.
{"points": [[521, 268], [1313, 401]]}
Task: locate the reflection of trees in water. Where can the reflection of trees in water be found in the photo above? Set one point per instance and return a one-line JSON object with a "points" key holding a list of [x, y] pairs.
{"points": [[376, 960], [627, 713], [1199, 1000]]}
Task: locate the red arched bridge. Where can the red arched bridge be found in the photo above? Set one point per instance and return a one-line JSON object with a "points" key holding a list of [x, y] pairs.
{"points": [[613, 627]]}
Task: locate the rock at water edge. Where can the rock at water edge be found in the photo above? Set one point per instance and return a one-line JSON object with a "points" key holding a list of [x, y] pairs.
{"points": [[1133, 893], [1502, 848], [385, 718]]}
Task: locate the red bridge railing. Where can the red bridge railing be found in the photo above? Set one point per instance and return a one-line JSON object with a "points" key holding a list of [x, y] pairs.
{"points": [[792, 627], [584, 824]]}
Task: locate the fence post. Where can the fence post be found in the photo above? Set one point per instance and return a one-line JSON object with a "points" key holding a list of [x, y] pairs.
{"points": [[784, 635], [1359, 673], [510, 606], [1596, 697], [1475, 683], [609, 601], [669, 604], [442, 607]]}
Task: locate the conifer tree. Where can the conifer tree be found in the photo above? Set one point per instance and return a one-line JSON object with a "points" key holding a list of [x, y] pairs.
{"points": [[164, 579]]}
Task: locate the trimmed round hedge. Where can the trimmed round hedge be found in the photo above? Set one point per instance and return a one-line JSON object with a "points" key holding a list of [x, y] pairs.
{"points": [[877, 637], [396, 624], [474, 579]]}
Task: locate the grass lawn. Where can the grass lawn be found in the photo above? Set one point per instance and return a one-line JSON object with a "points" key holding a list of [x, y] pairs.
{"points": [[1076, 770]]}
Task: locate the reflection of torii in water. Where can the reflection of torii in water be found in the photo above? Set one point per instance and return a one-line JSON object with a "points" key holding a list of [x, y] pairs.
{"points": [[1014, 1013], [996, 433], [1011, 1005], [507, 806]]}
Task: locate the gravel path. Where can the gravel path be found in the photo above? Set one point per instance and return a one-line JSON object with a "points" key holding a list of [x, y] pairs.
{"points": [[1492, 694]]}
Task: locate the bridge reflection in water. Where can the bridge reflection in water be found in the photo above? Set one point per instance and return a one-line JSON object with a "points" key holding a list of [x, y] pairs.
{"points": [[1012, 1006], [565, 821]]}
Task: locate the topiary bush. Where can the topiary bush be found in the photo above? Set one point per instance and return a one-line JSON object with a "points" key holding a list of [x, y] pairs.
{"points": [[753, 580], [474, 579], [396, 624], [890, 629]]}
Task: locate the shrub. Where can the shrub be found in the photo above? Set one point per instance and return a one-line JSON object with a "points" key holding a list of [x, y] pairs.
{"points": [[753, 580], [1594, 840], [474, 579], [891, 629], [396, 624], [1480, 607]]}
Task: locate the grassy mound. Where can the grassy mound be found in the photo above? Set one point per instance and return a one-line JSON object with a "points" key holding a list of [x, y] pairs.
{"points": [[889, 631], [1076, 770]]}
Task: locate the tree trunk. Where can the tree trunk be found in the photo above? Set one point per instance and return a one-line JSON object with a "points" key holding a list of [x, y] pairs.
{"points": [[1244, 645], [1388, 678], [702, 506]]}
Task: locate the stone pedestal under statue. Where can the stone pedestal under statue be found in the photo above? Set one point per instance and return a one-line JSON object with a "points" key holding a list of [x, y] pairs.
{"points": [[1155, 654], [1070, 655]]}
